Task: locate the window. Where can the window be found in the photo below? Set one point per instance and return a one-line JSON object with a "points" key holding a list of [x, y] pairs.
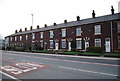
{"points": [[118, 27], [41, 43], [63, 43], [41, 35], [15, 38], [51, 43], [118, 42], [78, 31], [51, 34], [33, 36], [97, 29], [11, 38], [26, 37], [20, 38], [97, 42], [63, 32], [79, 43]]}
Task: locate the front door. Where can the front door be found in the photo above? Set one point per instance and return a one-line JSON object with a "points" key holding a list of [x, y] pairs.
{"points": [[86, 45], [107, 45], [56, 46]]}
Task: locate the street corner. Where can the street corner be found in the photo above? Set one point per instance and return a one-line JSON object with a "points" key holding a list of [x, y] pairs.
{"points": [[22, 68]]}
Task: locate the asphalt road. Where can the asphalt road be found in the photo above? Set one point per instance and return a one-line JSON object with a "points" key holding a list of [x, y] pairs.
{"points": [[20, 66]]}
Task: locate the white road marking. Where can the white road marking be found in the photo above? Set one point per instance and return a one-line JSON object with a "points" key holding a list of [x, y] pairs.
{"points": [[12, 77], [87, 71]]}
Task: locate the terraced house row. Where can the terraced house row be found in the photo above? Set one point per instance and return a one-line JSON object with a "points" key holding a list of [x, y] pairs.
{"points": [[102, 31]]}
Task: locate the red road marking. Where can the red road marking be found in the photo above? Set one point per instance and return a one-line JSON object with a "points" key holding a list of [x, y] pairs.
{"points": [[70, 61]]}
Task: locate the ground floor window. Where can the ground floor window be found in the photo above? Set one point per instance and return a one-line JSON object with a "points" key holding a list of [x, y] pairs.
{"points": [[97, 42], [51, 43], [63, 43], [118, 42], [41, 43], [79, 43]]}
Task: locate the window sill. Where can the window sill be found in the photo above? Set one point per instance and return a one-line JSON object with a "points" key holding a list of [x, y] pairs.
{"points": [[97, 34]]}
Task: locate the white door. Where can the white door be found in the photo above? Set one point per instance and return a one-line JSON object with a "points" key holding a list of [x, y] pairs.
{"points": [[69, 46], [86, 45], [107, 45], [56, 46]]}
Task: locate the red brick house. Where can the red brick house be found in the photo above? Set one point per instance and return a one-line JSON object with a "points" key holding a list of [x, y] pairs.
{"points": [[103, 31]]}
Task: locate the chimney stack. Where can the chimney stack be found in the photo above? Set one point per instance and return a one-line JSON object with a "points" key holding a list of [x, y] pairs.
{"points": [[112, 10], [25, 29], [65, 21], [20, 30], [45, 25], [54, 24], [38, 27], [78, 18], [93, 14], [15, 31], [31, 28]]}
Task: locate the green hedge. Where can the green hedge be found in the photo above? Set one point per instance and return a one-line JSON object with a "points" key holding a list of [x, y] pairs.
{"points": [[19, 49], [94, 49]]}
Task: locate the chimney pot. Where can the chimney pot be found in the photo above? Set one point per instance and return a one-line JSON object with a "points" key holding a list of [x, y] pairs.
{"points": [[54, 24], [15, 31], [93, 14], [38, 27], [20, 30], [112, 10], [78, 18], [31, 28], [45, 25], [25, 29], [65, 21]]}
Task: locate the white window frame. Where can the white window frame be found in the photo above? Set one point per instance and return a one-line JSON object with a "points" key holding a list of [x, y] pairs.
{"points": [[20, 38], [10, 38], [118, 27], [26, 37], [63, 32], [97, 29], [78, 31], [41, 35], [63, 43], [119, 43], [98, 40], [51, 44], [51, 34], [79, 44], [33, 35]]}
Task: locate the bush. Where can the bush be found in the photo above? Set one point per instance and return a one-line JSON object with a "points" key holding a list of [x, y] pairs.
{"points": [[94, 49], [19, 49]]}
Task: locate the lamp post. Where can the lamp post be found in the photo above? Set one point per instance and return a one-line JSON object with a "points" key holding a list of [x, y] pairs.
{"points": [[32, 35]]}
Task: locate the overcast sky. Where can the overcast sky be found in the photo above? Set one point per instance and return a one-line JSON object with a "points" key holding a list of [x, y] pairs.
{"points": [[16, 14]]}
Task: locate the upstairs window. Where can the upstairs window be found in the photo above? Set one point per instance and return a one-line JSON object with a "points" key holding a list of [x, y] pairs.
{"points": [[118, 27], [78, 31], [20, 38], [97, 42], [15, 38], [33, 36], [51, 34], [97, 29], [26, 37], [63, 32], [10, 38], [41, 35]]}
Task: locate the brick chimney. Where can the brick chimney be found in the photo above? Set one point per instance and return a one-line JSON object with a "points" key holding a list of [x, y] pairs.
{"points": [[54, 24], [25, 29], [78, 18], [45, 25], [93, 14], [65, 21], [20, 30], [112, 10], [31, 28], [38, 27], [15, 31]]}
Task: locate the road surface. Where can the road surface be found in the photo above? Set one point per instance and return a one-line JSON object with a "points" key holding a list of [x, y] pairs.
{"points": [[20, 66]]}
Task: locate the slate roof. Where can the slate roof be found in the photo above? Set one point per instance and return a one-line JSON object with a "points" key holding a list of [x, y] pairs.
{"points": [[73, 23]]}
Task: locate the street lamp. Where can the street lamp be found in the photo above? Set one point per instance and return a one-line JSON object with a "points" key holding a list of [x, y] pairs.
{"points": [[32, 35]]}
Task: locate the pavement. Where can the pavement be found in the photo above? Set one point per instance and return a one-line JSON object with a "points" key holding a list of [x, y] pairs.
{"points": [[71, 56]]}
